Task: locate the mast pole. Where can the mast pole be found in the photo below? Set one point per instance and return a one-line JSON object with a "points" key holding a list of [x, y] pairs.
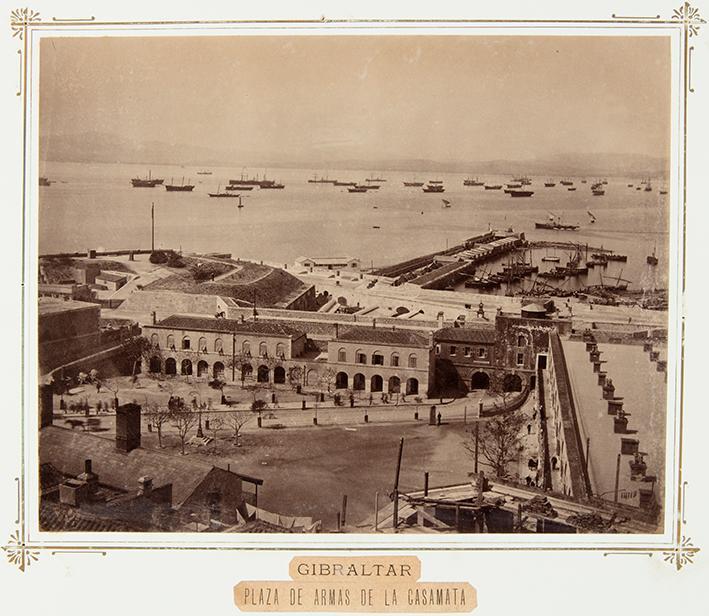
{"points": [[152, 227]]}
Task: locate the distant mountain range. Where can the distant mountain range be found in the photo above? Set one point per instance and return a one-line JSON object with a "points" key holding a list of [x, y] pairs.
{"points": [[92, 147]]}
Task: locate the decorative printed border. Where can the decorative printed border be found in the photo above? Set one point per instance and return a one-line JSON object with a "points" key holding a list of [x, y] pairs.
{"points": [[680, 552]]}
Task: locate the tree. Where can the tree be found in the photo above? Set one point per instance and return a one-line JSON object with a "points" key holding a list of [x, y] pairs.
{"points": [[328, 378], [500, 441], [113, 387], [137, 348], [295, 376], [237, 419], [183, 419], [158, 416], [216, 423]]}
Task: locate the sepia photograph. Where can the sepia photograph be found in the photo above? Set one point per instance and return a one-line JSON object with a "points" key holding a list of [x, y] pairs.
{"points": [[355, 282]]}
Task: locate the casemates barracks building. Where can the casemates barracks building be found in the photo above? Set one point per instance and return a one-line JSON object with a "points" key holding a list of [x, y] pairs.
{"points": [[364, 359]]}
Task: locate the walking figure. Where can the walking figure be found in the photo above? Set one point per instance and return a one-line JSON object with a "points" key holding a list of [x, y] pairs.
{"points": [[371, 399], [438, 417], [481, 310]]}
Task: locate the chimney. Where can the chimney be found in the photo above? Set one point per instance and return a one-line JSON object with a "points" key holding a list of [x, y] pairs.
{"points": [[128, 427], [154, 316], [440, 320], [145, 485], [88, 478], [601, 378], [242, 318], [374, 323], [337, 331]]}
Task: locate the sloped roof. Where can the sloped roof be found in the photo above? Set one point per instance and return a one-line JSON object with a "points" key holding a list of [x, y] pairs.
{"points": [[66, 450], [207, 324], [383, 335], [111, 277], [465, 334], [55, 517]]}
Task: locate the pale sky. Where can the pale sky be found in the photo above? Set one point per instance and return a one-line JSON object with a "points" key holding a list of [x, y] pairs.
{"points": [[439, 98]]}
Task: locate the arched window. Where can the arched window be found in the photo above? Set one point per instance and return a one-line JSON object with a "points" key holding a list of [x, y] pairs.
{"points": [[186, 342], [413, 360], [218, 370], [154, 340], [358, 382], [360, 357], [412, 387], [171, 342], [246, 348], [186, 367], [279, 375], [521, 340], [341, 380], [394, 385], [202, 368], [281, 350], [342, 355], [155, 365], [170, 366], [263, 349], [202, 347], [262, 375], [377, 358], [376, 383], [394, 359], [218, 346]]}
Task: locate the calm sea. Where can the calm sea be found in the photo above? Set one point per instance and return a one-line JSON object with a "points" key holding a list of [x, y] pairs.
{"points": [[95, 206]]}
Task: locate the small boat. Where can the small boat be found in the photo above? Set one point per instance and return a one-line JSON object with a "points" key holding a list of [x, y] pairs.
{"points": [[638, 188], [593, 218], [521, 193], [435, 181], [630, 185], [598, 192], [550, 183], [146, 183], [433, 188], [557, 226], [376, 179], [357, 189], [566, 182], [493, 186], [376, 227], [204, 173], [415, 184], [583, 181], [571, 188], [471, 182], [446, 203], [44, 181], [270, 185], [179, 187], [514, 185], [648, 187], [239, 187], [219, 194], [663, 191], [321, 180], [369, 186], [345, 184], [551, 259]]}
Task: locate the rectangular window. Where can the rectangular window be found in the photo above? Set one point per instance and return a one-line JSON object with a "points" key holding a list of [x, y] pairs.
{"points": [[467, 351], [186, 343], [438, 349], [361, 358], [378, 360], [482, 352], [453, 350], [520, 359], [342, 356], [394, 360]]}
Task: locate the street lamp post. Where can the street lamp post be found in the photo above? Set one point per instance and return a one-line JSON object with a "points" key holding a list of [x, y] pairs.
{"points": [[197, 405]]}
